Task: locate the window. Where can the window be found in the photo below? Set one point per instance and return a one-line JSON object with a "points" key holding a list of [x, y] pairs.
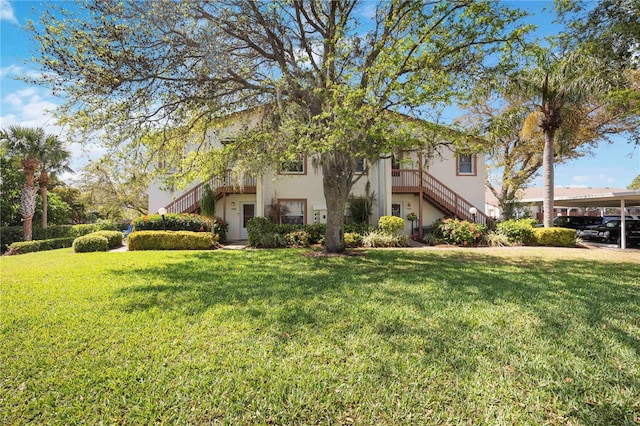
{"points": [[396, 209], [293, 211], [294, 167], [466, 164], [361, 165]]}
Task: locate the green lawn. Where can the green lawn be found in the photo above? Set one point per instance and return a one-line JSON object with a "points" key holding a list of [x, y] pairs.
{"points": [[482, 336]]}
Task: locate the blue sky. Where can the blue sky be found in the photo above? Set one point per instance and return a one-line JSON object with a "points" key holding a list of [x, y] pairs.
{"points": [[611, 165]]}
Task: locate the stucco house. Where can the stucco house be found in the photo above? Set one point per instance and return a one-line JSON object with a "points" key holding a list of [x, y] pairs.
{"points": [[443, 185]]}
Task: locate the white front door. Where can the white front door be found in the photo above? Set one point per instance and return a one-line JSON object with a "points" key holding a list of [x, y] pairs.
{"points": [[247, 212]]}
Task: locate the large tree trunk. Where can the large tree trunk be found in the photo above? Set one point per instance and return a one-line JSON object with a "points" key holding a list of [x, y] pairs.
{"points": [[547, 177], [336, 180]]}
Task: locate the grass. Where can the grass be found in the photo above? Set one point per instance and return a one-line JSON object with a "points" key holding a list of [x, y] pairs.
{"points": [[473, 336]]}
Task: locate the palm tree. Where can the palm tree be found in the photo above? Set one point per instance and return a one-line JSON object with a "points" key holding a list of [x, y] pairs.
{"points": [[558, 87], [26, 143], [54, 158]]}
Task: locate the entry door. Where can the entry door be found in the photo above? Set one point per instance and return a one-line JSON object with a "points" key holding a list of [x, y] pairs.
{"points": [[248, 213]]}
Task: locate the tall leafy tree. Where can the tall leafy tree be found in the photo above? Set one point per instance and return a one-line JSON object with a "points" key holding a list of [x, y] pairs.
{"points": [[635, 184], [327, 75], [54, 158], [113, 189], [26, 144], [11, 180]]}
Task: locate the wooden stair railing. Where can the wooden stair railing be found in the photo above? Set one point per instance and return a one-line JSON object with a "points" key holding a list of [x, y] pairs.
{"points": [[437, 193], [189, 202]]}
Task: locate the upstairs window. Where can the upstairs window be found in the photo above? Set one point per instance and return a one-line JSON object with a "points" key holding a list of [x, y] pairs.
{"points": [[466, 165], [294, 167], [361, 165]]}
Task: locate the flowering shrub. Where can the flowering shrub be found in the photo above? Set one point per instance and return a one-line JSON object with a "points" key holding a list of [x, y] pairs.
{"points": [[459, 232], [220, 228]]}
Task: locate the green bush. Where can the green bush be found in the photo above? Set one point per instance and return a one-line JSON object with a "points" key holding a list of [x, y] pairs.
{"points": [[172, 222], [316, 232], [392, 225], [113, 237], [21, 247], [12, 234], [518, 232], [358, 228], [352, 239], [171, 240], [384, 239], [259, 230], [459, 232], [554, 237], [90, 243], [299, 238]]}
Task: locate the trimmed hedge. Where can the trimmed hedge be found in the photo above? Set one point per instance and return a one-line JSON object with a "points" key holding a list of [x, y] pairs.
{"points": [[21, 247], [114, 238], [90, 243], [12, 234], [391, 225], [171, 240], [554, 237], [172, 222]]}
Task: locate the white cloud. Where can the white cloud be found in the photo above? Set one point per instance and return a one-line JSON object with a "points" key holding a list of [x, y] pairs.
{"points": [[6, 12]]}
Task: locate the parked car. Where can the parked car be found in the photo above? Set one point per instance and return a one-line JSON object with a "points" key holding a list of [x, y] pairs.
{"points": [[577, 222], [590, 232], [610, 232]]}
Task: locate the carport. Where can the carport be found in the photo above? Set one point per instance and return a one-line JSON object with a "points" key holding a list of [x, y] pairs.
{"points": [[621, 199]]}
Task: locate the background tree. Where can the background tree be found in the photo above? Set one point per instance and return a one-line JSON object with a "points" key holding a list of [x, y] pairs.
{"points": [[76, 200], [635, 184], [25, 144], [11, 181], [326, 73], [53, 158], [113, 189]]}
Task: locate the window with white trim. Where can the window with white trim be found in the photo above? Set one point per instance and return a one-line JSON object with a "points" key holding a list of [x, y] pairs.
{"points": [[466, 164]]}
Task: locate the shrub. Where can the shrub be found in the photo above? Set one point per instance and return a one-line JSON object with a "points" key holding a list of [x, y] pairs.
{"points": [[171, 240], [258, 229], [517, 231], [496, 239], [459, 232], [172, 222], [90, 243], [554, 237], [114, 238], [384, 239], [392, 225], [358, 228], [220, 228], [84, 229], [316, 232], [352, 239], [21, 247], [299, 238]]}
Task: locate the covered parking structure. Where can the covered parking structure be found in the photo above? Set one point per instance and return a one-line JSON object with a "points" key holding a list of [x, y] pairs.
{"points": [[619, 199]]}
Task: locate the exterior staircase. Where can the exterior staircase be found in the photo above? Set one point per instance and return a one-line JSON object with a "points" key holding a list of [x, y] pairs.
{"points": [[189, 202], [438, 194]]}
